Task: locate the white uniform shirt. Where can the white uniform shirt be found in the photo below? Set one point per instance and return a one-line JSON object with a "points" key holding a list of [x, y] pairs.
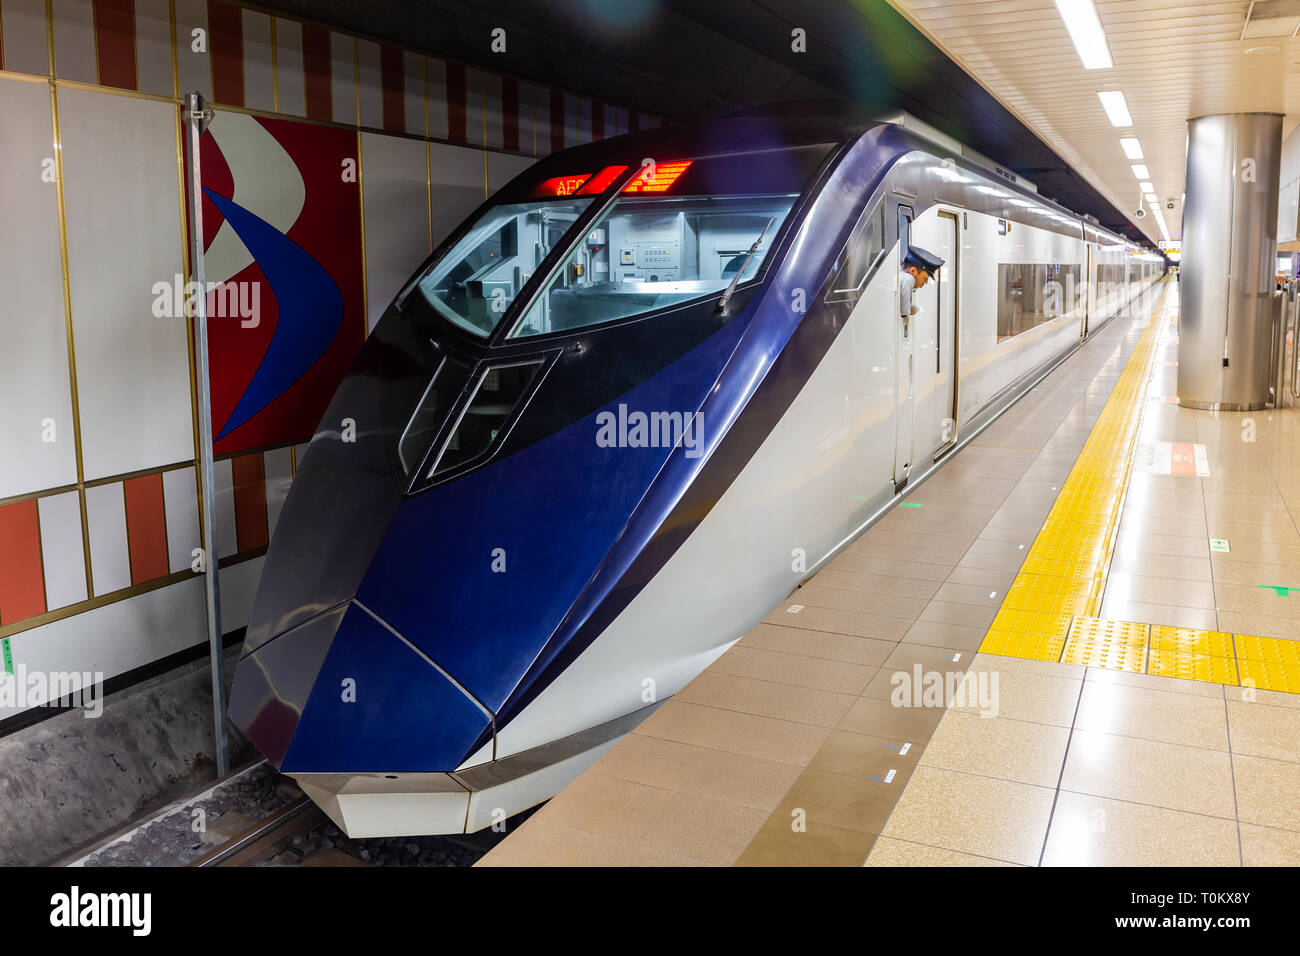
{"points": [[906, 285]]}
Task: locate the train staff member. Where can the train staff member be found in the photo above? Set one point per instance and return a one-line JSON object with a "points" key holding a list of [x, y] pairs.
{"points": [[918, 266]]}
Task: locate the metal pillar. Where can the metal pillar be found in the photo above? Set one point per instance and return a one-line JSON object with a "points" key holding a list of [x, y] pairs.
{"points": [[1226, 334], [197, 116]]}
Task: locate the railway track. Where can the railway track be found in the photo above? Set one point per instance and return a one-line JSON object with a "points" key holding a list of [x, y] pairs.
{"points": [[268, 837]]}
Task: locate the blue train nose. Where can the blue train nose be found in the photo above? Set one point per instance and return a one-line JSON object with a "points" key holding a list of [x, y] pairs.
{"points": [[345, 693]]}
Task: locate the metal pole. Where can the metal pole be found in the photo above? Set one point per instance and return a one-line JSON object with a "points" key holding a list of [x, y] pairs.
{"points": [[197, 117]]}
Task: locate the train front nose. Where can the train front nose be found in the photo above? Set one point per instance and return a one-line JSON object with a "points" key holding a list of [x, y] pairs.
{"points": [[324, 684], [343, 692]]}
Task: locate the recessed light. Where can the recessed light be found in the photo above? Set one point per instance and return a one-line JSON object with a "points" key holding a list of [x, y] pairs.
{"points": [[1132, 148], [1081, 20], [1140, 171], [1146, 187], [1116, 107]]}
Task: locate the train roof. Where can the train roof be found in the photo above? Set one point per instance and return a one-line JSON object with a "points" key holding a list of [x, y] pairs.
{"points": [[790, 124]]}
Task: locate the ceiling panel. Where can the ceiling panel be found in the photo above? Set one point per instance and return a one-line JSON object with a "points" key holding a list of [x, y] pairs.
{"points": [[1173, 62]]}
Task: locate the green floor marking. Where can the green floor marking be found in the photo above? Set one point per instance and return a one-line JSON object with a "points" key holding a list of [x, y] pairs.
{"points": [[1281, 592], [910, 504]]}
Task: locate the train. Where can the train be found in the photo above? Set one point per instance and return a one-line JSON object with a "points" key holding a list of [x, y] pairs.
{"points": [[615, 419]]}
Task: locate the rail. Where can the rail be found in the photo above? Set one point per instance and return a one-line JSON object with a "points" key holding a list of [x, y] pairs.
{"points": [[265, 838]]}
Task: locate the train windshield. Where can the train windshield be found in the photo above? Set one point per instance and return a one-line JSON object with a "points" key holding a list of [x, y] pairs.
{"points": [[475, 282], [678, 231]]}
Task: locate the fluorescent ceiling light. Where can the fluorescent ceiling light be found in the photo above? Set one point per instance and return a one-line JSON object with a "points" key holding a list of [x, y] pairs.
{"points": [[1080, 18], [1116, 107], [1132, 148], [1140, 171], [1151, 197], [1146, 187]]}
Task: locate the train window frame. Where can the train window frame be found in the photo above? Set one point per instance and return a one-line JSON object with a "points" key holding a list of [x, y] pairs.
{"points": [[427, 476], [874, 216]]}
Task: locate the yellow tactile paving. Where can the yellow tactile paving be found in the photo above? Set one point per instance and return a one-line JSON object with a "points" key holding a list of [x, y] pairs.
{"points": [[1187, 640], [1049, 612], [1189, 666]]}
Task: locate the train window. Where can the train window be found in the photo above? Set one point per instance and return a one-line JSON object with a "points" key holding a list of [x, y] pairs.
{"points": [[475, 282], [864, 251], [649, 253], [699, 225], [448, 380], [499, 391], [1031, 294]]}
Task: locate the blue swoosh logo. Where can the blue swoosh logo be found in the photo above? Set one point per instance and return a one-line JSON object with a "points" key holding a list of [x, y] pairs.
{"points": [[311, 310]]}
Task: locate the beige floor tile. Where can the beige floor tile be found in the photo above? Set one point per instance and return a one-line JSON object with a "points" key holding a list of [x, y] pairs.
{"points": [[820, 644], [854, 803], [1157, 543], [964, 614], [1264, 731], [699, 771], [877, 716], [1021, 694], [1094, 831], [910, 669], [726, 730], [891, 852], [998, 747], [1150, 772], [1227, 569], [794, 669], [1140, 589], [1119, 609], [890, 566], [996, 561], [865, 755], [999, 819], [903, 540], [1001, 663], [1268, 791], [1268, 846], [970, 594], [707, 830], [1113, 708], [875, 626], [802, 705], [1256, 600], [1258, 625], [875, 583], [938, 634], [1155, 682], [1136, 524], [539, 843], [840, 599], [990, 578], [1128, 561], [1272, 698], [816, 844]]}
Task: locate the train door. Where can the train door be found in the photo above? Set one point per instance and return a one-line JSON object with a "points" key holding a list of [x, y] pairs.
{"points": [[935, 339], [904, 388]]}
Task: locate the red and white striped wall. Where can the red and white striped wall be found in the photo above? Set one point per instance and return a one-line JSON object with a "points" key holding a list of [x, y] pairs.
{"points": [[242, 57], [141, 529]]}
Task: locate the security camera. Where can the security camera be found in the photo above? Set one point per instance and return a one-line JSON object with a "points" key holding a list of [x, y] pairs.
{"points": [[1169, 204], [1140, 213]]}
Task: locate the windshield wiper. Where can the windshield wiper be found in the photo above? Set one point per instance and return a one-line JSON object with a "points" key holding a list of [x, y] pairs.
{"points": [[726, 296]]}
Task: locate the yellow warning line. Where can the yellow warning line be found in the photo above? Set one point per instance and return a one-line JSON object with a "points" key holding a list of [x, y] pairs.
{"points": [[1050, 611]]}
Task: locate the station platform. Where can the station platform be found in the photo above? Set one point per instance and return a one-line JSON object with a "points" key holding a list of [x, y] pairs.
{"points": [[1075, 644]]}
